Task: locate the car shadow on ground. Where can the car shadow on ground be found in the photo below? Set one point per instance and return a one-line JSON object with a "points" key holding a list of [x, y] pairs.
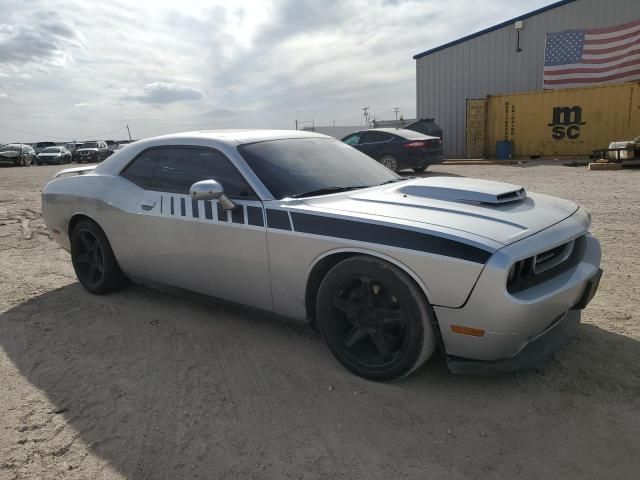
{"points": [[164, 387]]}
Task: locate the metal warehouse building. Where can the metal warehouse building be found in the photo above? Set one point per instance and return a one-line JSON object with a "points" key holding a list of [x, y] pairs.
{"points": [[506, 58]]}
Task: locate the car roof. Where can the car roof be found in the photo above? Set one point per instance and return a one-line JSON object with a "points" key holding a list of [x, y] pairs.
{"points": [[402, 132], [238, 136], [222, 139]]}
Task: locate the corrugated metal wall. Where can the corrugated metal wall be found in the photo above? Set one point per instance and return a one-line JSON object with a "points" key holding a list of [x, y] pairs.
{"points": [[489, 64]]}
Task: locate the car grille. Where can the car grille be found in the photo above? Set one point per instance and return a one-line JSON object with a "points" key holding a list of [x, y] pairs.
{"points": [[545, 265]]}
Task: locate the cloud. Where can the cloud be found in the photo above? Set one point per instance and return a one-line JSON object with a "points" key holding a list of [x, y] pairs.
{"points": [[3, 95], [43, 38], [220, 64], [161, 93]]}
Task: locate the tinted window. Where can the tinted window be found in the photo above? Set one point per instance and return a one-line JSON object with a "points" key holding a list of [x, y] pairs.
{"points": [[179, 168], [352, 139], [374, 137], [295, 166], [140, 171]]}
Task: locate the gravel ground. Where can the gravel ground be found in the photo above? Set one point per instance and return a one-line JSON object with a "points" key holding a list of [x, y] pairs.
{"points": [[141, 384]]}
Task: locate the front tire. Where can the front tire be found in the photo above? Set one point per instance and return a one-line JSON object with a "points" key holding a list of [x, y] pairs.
{"points": [[374, 319], [420, 169], [93, 260], [390, 162]]}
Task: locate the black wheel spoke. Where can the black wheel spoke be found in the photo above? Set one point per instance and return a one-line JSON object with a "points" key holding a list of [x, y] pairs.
{"points": [[83, 258], [93, 272], [367, 292], [357, 333], [85, 242], [390, 316], [345, 306], [381, 344]]}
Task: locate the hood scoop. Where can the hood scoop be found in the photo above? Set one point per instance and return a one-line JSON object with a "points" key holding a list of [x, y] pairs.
{"points": [[464, 190]]}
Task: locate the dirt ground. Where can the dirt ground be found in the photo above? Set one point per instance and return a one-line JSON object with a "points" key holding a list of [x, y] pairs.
{"points": [[144, 385]]}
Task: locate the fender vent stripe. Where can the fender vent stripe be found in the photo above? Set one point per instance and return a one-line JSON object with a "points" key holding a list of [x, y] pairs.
{"points": [[254, 216], [183, 208], [194, 208], [278, 219], [222, 213], [237, 214], [171, 205], [384, 235], [208, 211]]}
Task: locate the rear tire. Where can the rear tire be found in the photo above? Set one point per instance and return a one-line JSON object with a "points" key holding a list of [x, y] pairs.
{"points": [[93, 260], [390, 162], [374, 319]]}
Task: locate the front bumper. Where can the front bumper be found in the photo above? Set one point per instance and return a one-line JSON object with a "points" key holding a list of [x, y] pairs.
{"points": [[535, 353], [512, 321]]}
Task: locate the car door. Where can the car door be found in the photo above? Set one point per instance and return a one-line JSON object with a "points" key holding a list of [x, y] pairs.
{"points": [[371, 143], [196, 244]]}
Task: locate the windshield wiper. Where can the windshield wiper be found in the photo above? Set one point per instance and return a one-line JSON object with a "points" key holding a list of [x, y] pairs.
{"points": [[327, 190], [393, 180]]}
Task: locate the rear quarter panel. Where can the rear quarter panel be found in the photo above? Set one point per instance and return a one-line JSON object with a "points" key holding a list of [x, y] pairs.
{"points": [[110, 201]]}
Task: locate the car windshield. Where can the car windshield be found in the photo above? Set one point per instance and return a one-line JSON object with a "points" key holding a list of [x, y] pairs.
{"points": [[51, 150], [89, 145], [295, 167]]}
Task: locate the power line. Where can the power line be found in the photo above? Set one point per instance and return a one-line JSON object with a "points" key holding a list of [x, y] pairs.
{"points": [[97, 135]]}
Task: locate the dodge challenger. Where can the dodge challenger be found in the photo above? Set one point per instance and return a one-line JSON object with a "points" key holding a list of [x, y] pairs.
{"points": [[387, 269]]}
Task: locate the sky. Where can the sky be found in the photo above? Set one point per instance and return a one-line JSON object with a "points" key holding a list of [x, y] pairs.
{"points": [[80, 69]]}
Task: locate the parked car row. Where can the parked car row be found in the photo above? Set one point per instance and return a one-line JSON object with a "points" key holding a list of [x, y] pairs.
{"points": [[50, 153]]}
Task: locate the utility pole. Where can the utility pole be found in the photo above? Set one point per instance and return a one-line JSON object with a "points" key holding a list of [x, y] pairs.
{"points": [[129, 132], [366, 116], [395, 109], [296, 124]]}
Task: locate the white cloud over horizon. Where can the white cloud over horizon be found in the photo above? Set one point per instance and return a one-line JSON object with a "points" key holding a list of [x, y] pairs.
{"points": [[71, 69]]}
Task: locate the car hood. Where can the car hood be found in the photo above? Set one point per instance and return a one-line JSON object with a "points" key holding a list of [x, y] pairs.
{"points": [[501, 212], [10, 153], [80, 150], [49, 154]]}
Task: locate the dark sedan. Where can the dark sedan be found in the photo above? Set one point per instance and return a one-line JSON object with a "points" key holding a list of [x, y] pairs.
{"points": [[396, 148]]}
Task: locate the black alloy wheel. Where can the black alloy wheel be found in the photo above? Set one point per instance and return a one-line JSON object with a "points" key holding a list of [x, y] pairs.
{"points": [[374, 319], [89, 259], [93, 259], [372, 325]]}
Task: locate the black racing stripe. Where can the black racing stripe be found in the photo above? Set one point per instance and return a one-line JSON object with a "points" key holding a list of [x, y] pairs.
{"points": [[194, 208], [278, 219], [161, 198], [254, 216], [183, 209], [208, 211], [171, 205], [222, 213], [237, 214], [384, 235]]}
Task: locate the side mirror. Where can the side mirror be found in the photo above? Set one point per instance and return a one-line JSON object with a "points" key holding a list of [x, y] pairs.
{"points": [[211, 190]]}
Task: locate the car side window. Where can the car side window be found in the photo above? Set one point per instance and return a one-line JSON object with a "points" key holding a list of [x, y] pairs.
{"points": [[140, 171], [352, 139], [179, 168], [374, 137]]}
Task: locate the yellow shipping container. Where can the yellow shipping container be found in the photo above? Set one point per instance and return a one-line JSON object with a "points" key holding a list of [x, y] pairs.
{"points": [[571, 122]]}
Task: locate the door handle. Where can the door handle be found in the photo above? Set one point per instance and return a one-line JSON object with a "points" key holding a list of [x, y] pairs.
{"points": [[148, 206]]}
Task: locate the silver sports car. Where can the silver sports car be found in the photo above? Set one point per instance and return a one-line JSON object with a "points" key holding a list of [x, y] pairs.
{"points": [[386, 268]]}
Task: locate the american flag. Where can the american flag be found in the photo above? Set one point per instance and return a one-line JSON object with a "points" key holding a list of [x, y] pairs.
{"points": [[575, 58]]}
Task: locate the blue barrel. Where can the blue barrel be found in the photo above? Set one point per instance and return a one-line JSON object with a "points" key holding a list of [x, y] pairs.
{"points": [[503, 150]]}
